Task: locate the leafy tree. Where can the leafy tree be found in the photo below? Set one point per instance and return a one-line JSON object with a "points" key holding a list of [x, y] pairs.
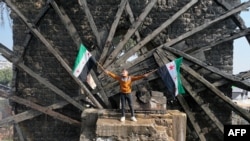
{"points": [[6, 76]]}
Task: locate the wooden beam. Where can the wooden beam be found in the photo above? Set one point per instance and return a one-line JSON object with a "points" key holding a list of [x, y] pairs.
{"points": [[215, 43], [112, 31], [132, 20], [236, 18], [42, 109], [184, 36], [242, 112], [83, 4], [236, 80], [9, 56], [194, 95], [67, 23], [54, 52], [75, 36], [33, 113], [156, 32], [191, 118], [162, 61], [129, 33], [19, 132]]}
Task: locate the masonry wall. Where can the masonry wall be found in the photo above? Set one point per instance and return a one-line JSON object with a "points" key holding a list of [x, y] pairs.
{"points": [[36, 56]]}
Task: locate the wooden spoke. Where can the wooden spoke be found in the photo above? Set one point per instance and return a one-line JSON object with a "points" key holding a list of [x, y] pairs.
{"points": [[155, 32], [112, 31], [84, 6], [54, 52], [41, 109], [215, 43], [129, 33]]}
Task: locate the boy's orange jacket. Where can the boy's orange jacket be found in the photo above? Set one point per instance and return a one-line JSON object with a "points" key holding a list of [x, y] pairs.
{"points": [[125, 83]]}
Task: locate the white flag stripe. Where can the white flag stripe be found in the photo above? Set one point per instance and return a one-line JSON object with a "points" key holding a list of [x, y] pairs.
{"points": [[82, 63]]}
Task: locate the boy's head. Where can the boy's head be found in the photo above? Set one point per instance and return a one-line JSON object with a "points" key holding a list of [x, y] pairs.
{"points": [[124, 73]]}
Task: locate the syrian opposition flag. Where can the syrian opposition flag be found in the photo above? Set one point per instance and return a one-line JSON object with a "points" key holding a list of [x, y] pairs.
{"points": [[83, 64], [170, 74]]}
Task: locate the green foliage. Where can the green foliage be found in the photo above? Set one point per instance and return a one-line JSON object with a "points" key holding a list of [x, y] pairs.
{"points": [[6, 76]]}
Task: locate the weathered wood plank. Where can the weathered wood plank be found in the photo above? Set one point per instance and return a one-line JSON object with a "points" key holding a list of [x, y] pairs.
{"points": [[33, 113], [19, 132], [83, 4], [215, 43], [129, 33], [236, 80], [77, 40], [191, 117], [183, 36], [161, 61], [236, 18], [56, 53], [112, 31], [9, 55], [156, 32], [242, 112], [67, 23], [41, 109]]}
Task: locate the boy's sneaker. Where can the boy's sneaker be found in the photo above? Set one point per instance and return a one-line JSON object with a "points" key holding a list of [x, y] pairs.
{"points": [[133, 119], [122, 118]]}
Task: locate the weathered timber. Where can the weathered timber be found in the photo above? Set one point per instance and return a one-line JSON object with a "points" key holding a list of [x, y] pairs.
{"points": [[9, 56], [76, 38], [163, 60], [215, 43], [19, 132], [236, 18], [83, 4], [67, 23], [36, 22], [33, 113], [242, 112], [112, 31], [184, 36], [41, 109], [129, 33], [191, 117], [54, 52], [156, 32], [195, 96], [132, 20], [236, 80]]}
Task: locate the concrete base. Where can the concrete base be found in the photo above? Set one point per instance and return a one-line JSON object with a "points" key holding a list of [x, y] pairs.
{"points": [[106, 125]]}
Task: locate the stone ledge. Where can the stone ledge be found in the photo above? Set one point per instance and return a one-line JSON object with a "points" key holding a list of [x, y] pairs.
{"points": [[105, 125]]}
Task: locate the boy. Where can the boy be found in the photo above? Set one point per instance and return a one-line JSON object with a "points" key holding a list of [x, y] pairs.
{"points": [[125, 89]]}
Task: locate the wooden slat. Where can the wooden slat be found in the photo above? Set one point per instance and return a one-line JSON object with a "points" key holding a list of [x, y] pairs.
{"points": [[156, 32], [194, 95], [215, 43], [236, 18], [236, 80], [129, 33], [112, 31], [19, 132], [55, 53], [75, 36], [242, 112], [9, 56], [83, 4], [41, 109], [184, 36], [161, 61], [67, 23], [33, 113], [132, 20], [192, 118]]}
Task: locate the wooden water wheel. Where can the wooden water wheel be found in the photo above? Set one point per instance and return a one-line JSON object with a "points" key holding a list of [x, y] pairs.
{"points": [[140, 36]]}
